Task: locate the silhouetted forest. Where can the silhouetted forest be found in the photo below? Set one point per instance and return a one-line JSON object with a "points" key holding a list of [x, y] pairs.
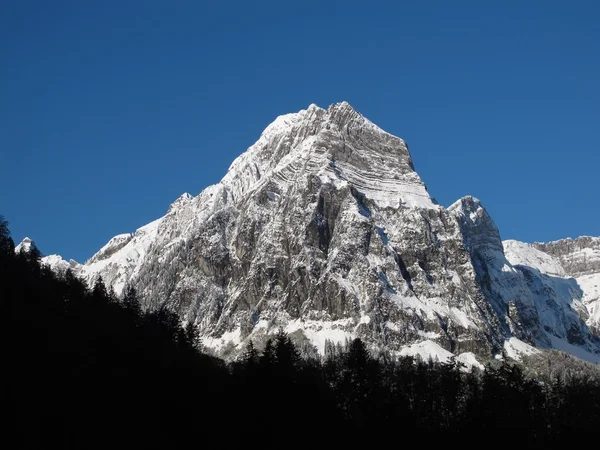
{"points": [[84, 369]]}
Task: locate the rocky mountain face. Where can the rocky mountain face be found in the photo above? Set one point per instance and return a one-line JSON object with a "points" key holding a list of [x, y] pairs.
{"points": [[324, 228], [578, 257]]}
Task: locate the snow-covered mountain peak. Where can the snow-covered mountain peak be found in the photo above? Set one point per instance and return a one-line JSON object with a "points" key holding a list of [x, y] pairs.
{"points": [[184, 197], [337, 145], [25, 245], [343, 112], [346, 117], [469, 206]]}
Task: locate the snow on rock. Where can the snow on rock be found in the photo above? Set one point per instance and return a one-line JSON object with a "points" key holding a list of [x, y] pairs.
{"points": [[578, 257], [54, 262], [590, 285], [111, 247], [59, 265], [180, 202]]}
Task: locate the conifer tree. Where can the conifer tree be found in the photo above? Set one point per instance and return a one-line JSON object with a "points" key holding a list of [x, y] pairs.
{"points": [[131, 302], [286, 354], [192, 336], [268, 359], [99, 292], [7, 245]]}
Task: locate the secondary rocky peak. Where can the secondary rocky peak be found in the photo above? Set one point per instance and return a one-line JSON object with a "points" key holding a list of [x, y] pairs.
{"points": [[468, 205], [181, 200], [476, 225], [343, 113]]}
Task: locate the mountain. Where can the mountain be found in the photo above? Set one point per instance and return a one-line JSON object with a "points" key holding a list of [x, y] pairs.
{"points": [[324, 228]]}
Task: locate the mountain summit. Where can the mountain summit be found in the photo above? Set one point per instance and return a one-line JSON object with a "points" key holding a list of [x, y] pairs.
{"points": [[25, 245], [338, 144], [323, 228]]}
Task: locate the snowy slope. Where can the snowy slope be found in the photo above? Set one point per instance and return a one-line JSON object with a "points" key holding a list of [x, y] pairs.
{"points": [[323, 227], [541, 303], [569, 267]]}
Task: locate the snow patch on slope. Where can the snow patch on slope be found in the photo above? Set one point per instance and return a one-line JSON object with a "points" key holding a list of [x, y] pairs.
{"points": [[516, 349], [469, 360], [320, 331], [111, 247], [433, 308], [229, 338], [427, 349], [430, 349]]}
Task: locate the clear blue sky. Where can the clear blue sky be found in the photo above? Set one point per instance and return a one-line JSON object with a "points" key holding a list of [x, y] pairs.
{"points": [[109, 110]]}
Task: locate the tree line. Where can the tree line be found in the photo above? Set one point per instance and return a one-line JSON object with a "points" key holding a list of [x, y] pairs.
{"points": [[85, 369]]}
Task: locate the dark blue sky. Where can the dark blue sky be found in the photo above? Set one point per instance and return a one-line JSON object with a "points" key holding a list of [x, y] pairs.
{"points": [[109, 110]]}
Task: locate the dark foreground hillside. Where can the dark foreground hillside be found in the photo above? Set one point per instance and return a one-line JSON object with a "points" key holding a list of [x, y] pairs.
{"points": [[83, 369]]}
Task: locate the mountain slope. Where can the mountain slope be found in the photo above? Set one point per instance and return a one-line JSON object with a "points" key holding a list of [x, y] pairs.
{"points": [[323, 227], [570, 269]]}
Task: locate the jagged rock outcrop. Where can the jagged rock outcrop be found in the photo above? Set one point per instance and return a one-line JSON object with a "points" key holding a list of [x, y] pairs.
{"points": [[323, 227]]}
